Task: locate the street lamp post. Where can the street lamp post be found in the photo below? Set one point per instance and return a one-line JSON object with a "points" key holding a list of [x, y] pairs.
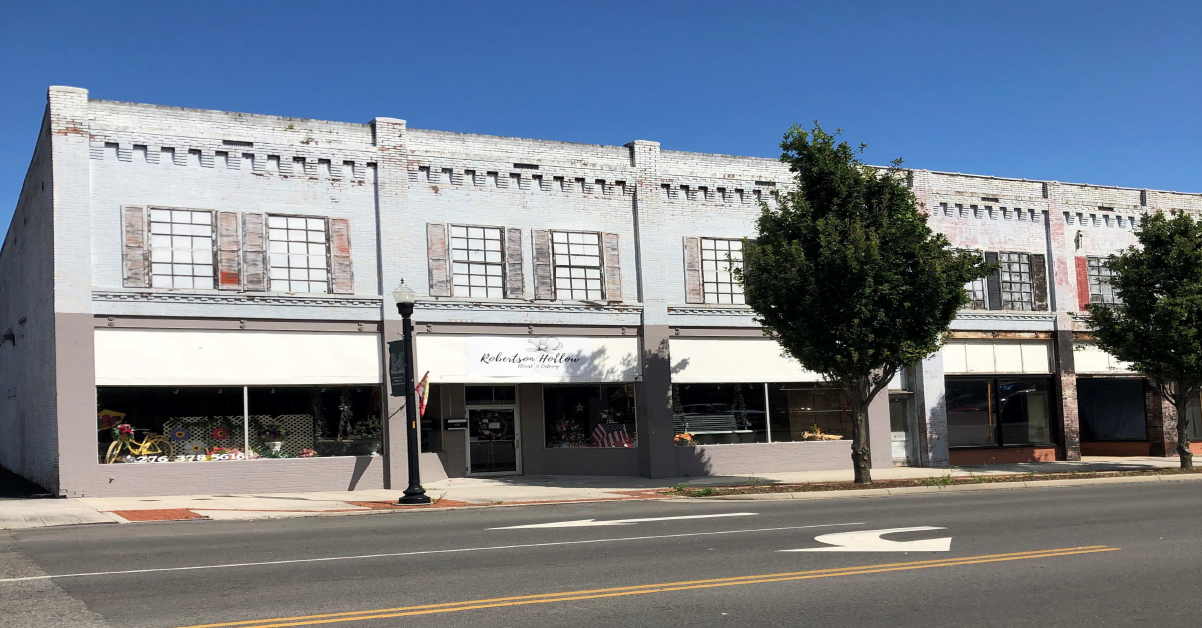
{"points": [[415, 494]]}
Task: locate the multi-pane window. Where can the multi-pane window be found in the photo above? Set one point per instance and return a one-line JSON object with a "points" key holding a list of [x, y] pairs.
{"points": [[476, 262], [979, 298], [181, 249], [1100, 290], [718, 259], [1018, 289], [577, 265], [297, 254]]}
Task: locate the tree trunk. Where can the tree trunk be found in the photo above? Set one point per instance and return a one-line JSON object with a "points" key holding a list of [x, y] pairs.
{"points": [[1181, 401], [861, 452]]}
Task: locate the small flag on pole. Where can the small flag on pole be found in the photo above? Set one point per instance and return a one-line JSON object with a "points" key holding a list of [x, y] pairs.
{"points": [[423, 393]]}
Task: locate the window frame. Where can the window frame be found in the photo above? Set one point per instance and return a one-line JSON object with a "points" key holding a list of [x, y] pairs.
{"points": [[1006, 278], [736, 289], [267, 241], [1097, 269], [556, 266], [451, 261], [150, 248], [994, 409]]}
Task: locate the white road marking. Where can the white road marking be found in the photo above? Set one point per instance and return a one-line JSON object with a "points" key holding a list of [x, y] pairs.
{"points": [[871, 541], [585, 523], [419, 553]]}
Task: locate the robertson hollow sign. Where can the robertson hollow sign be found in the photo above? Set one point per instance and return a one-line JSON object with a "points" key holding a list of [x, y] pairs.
{"points": [[550, 358]]}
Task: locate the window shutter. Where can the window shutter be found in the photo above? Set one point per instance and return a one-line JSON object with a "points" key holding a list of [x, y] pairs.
{"points": [[515, 276], [1082, 283], [133, 226], [254, 262], [229, 276], [543, 287], [342, 273], [692, 271], [1039, 281], [436, 253], [993, 284], [613, 268]]}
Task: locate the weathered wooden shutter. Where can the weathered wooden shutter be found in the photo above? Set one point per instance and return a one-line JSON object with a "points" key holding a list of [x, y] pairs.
{"points": [[436, 254], [133, 253], [254, 260], [229, 266], [342, 273], [613, 268], [515, 276], [993, 284], [544, 288], [692, 271], [1039, 281], [1082, 283]]}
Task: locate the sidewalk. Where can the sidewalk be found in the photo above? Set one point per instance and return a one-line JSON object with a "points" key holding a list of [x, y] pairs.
{"points": [[460, 492]]}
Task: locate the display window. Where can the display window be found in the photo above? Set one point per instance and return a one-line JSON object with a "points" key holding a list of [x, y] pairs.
{"points": [[734, 413], [167, 424], [998, 412], [590, 416]]}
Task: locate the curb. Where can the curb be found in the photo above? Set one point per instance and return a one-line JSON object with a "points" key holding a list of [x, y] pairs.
{"points": [[995, 486]]}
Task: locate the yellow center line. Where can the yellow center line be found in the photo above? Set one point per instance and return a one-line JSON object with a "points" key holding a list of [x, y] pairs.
{"points": [[566, 596]]}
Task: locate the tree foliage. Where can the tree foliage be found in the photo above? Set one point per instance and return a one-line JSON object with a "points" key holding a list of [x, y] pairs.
{"points": [[846, 275], [1157, 325]]}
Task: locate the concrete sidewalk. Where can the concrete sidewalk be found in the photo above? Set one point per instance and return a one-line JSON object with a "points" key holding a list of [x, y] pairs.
{"points": [[459, 492]]}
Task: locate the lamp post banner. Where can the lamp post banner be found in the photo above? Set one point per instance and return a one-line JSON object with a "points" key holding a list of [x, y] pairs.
{"points": [[396, 367]]}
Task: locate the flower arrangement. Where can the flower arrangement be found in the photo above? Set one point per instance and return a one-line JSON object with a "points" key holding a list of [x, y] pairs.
{"points": [[685, 440], [307, 453], [272, 433], [568, 431], [123, 431], [232, 452]]}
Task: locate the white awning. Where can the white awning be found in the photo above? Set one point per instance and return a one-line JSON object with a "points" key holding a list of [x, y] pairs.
{"points": [[741, 360], [144, 357], [1090, 360], [527, 359], [1019, 357]]}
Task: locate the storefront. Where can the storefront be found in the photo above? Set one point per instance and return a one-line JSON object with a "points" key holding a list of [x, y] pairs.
{"points": [[740, 406], [183, 405], [514, 404], [1111, 404], [999, 401]]}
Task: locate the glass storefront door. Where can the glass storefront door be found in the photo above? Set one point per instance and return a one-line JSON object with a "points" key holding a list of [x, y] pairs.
{"points": [[492, 434]]}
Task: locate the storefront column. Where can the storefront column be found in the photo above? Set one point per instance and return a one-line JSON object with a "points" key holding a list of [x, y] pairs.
{"points": [[657, 451], [931, 412], [1161, 422], [1066, 384]]}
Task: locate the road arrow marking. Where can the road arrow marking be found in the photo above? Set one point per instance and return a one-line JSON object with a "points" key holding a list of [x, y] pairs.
{"points": [[588, 523], [871, 541]]}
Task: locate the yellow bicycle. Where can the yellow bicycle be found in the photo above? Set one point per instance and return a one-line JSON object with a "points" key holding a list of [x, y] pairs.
{"points": [[152, 445]]}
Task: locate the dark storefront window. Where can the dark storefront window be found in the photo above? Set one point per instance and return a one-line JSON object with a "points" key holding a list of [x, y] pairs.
{"points": [[144, 424], [431, 421], [992, 412], [802, 409], [1111, 409], [720, 413], [590, 416]]}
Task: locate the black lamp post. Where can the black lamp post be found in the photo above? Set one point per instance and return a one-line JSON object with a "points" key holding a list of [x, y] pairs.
{"points": [[415, 494]]}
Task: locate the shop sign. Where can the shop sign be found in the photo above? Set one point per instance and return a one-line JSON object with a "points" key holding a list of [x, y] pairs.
{"points": [[522, 356]]}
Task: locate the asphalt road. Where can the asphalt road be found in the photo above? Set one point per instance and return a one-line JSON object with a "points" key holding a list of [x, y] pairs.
{"points": [[1142, 566]]}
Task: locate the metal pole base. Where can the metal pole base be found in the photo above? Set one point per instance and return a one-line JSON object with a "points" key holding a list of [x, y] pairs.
{"points": [[414, 496]]}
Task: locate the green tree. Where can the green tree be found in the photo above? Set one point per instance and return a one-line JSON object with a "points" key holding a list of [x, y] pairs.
{"points": [[1157, 323], [846, 275]]}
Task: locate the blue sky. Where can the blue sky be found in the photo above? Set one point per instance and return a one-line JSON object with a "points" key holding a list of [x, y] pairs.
{"points": [[1097, 92]]}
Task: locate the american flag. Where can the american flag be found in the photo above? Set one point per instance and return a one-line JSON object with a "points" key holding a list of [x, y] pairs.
{"points": [[611, 435]]}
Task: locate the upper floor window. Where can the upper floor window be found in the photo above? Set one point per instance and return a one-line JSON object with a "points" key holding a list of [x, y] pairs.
{"points": [[477, 265], [181, 249], [297, 254], [719, 257], [1018, 288], [1100, 290], [577, 263]]}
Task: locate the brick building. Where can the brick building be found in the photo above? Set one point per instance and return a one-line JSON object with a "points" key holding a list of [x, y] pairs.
{"points": [[219, 282]]}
